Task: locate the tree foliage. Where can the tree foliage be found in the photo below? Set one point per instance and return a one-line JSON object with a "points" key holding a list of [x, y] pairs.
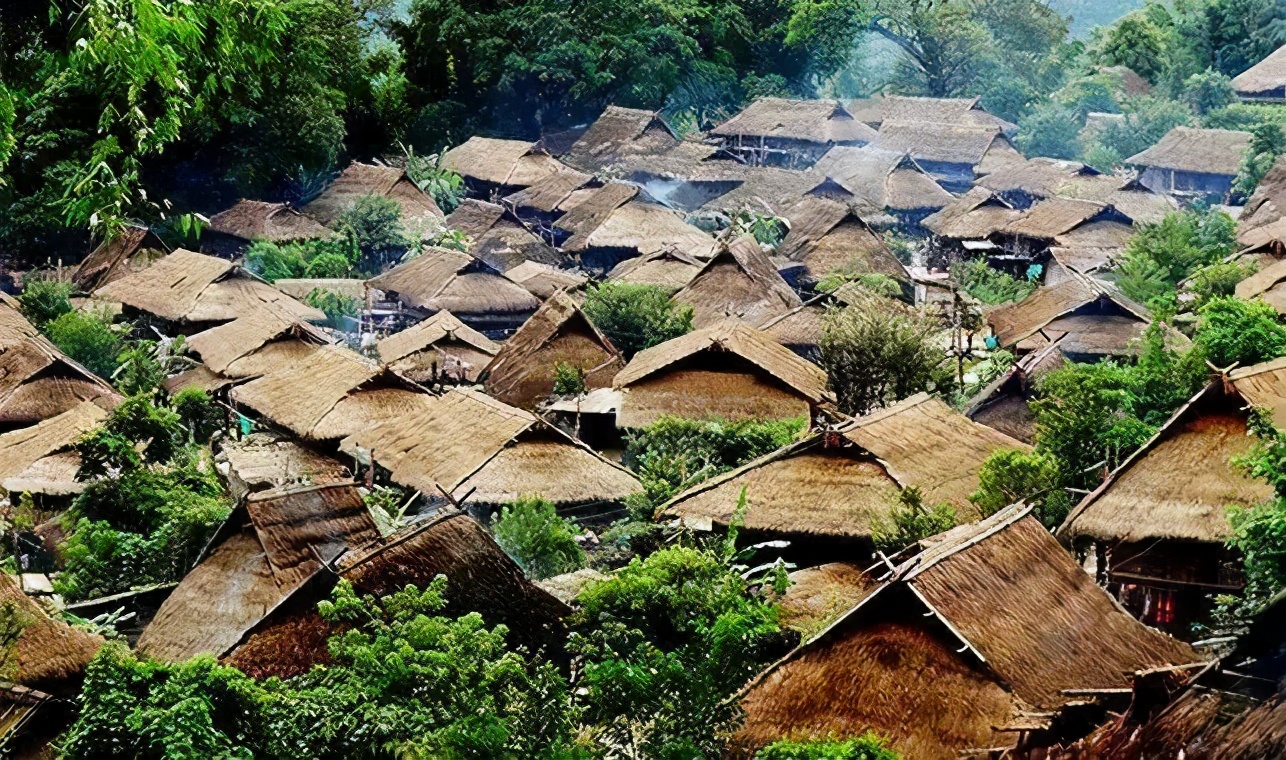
{"points": [[1233, 331], [542, 543], [1162, 254], [87, 338], [635, 317], [868, 746], [911, 520], [44, 300], [1009, 476], [876, 352]]}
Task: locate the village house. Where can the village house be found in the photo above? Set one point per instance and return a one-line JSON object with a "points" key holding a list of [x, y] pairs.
{"points": [[1003, 403], [543, 280], [1193, 164], [420, 215], [261, 461], [897, 108], [728, 371], [619, 133], [495, 236], [441, 349], [1093, 321], [800, 329], [493, 168], [747, 189], [668, 269], [790, 133], [1264, 387], [965, 227], [135, 247], [1267, 285], [826, 238], [966, 647], [474, 291], [887, 188], [1154, 532], [739, 281], [1076, 225], [1024, 183], [953, 154], [231, 231], [41, 459], [541, 203], [1260, 227], [604, 226], [1265, 82], [188, 292]]}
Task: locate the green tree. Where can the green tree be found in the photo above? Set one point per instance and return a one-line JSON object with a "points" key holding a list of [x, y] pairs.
{"points": [[989, 285], [541, 542], [88, 339], [275, 262], [876, 352], [1136, 43], [1009, 476], [328, 266], [1162, 254], [376, 223], [1233, 331], [1208, 91], [1266, 145], [1050, 130], [333, 304], [868, 746], [42, 301], [1145, 121], [197, 413], [635, 317], [569, 380], [911, 520]]}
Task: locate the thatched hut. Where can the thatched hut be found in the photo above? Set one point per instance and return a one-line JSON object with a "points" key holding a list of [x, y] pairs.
{"points": [[420, 213], [441, 348], [1264, 386], [1267, 285], [1265, 82], [522, 371], [268, 550], [1027, 182], [953, 154], [739, 281], [492, 167], [548, 199], [499, 238], [968, 223], [542, 280], [135, 248], [476, 292], [800, 329], [962, 649], [820, 595], [899, 108], [739, 188], [607, 225], [230, 231], [1264, 206], [1066, 222], [1093, 321], [480, 578], [262, 461], [878, 182], [190, 291], [1002, 403], [49, 654], [666, 269], [1193, 163], [618, 133], [827, 237], [1157, 526], [793, 133], [728, 371], [41, 460]]}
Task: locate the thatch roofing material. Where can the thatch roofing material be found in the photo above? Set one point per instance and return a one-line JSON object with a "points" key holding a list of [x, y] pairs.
{"points": [[298, 396], [522, 372], [875, 111], [20, 449], [1202, 151], [440, 279], [497, 238], [1264, 283], [739, 281], [298, 527], [799, 329], [440, 346], [551, 467], [1014, 322], [1265, 79], [133, 249], [666, 269], [1266, 203], [543, 280], [359, 180], [261, 461], [645, 228], [220, 346], [827, 237], [1264, 386], [439, 327], [882, 179], [761, 189], [819, 595], [191, 287], [507, 163], [926, 444], [49, 654], [620, 132], [547, 195], [731, 392], [816, 121], [360, 408], [977, 214], [260, 220], [1180, 484], [942, 143], [1050, 218]]}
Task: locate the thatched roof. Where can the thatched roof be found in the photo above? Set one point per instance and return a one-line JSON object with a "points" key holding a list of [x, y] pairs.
{"points": [[1039, 177], [1179, 485], [826, 237], [621, 132], [419, 211], [547, 463], [256, 568], [24, 448], [632, 226], [134, 248], [1050, 218], [261, 461], [195, 288], [1202, 151], [740, 281], [761, 189], [1002, 403], [439, 328], [219, 347], [926, 444], [548, 195], [882, 179], [799, 329], [729, 370], [522, 372], [991, 623], [819, 595], [543, 280], [816, 121], [1265, 205], [977, 214], [38, 381], [260, 220], [823, 487], [877, 110], [497, 238], [943, 143], [1265, 79], [480, 578], [49, 655], [667, 269], [440, 278], [1264, 385], [506, 163], [1099, 321]]}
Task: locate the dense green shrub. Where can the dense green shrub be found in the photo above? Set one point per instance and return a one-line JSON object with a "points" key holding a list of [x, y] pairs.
{"points": [[865, 747], [911, 520], [876, 352], [1012, 475], [541, 542], [990, 285], [1242, 332], [635, 317], [42, 301], [88, 339]]}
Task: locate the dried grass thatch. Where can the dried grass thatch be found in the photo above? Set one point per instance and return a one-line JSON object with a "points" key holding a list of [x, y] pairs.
{"points": [[432, 347], [827, 237], [877, 110], [1053, 311], [1266, 79], [299, 287], [358, 180], [38, 381], [1202, 151], [665, 269], [548, 465], [941, 143], [543, 280], [220, 346], [883, 180], [522, 372], [133, 249], [739, 281], [1048, 219], [499, 239], [501, 163], [818, 596], [1179, 485], [261, 461], [618, 133], [799, 329], [815, 121], [259, 220], [977, 214], [440, 279], [299, 395], [1263, 385], [20, 449], [760, 189], [926, 444], [49, 655], [549, 194], [1265, 205]]}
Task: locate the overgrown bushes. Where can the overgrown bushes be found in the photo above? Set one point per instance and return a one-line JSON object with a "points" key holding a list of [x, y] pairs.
{"points": [[541, 542]]}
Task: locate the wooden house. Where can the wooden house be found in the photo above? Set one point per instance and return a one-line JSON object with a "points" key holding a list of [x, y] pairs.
{"points": [[882, 184], [953, 154], [1093, 321], [604, 226], [499, 238], [964, 648], [1003, 403], [1189, 163], [265, 461], [739, 281], [1155, 529], [474, 291], [493, 168], [522, 371], [232, 230], [441, 349], [420, 215], [800, 329], [188, 292], [135, 247], [1069, 223], [827, 237], [618, 133], [790, 133], [1023, 183], [1265, 82], [728, 371]]}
